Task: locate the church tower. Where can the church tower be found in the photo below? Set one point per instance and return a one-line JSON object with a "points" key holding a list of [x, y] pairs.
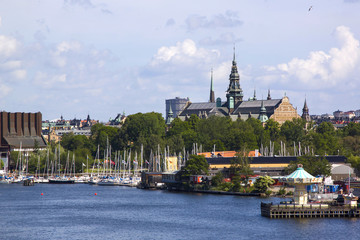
{"points": [[305, 113], [234, 93], [212, 93]]}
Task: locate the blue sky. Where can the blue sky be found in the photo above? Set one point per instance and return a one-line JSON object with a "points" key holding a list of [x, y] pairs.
{"points": [[79, 57]]}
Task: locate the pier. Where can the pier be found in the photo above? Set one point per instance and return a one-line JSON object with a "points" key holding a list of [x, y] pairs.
{"points": [[308, 211]]}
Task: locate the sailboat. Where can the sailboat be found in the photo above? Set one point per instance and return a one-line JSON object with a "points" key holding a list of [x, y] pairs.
{"points": [[64, 179]]}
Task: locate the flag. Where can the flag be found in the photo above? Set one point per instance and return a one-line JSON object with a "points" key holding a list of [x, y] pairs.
{"points": [[83, 164], [123, 162], [147, 161]]}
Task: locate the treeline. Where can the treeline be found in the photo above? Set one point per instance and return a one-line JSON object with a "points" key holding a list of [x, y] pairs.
{"points": [[149, 130]]}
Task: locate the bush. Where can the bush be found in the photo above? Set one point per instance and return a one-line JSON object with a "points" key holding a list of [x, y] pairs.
{"points": [[268, 192], [282, 191], [289, 193]]}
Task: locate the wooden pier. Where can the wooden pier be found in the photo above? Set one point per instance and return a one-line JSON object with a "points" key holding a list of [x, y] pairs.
{"points": [[308, 211]]}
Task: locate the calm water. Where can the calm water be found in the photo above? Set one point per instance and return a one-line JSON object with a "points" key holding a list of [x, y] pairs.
{"points": [[75, 212]]}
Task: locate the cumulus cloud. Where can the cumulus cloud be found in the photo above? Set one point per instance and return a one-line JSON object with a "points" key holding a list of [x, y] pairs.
{"points": [[229, 19], [321, 69], [185, 52]]}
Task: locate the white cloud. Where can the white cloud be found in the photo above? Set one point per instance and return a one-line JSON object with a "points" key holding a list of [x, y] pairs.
{"points": [[320, 70], [185, 52], [8, 46]]}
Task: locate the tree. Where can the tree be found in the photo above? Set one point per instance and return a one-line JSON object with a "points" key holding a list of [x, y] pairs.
{"points": [[240, 170], [293, 130], [316, 166], [217, 179], [273, 128], [196, 165], [355, 162], [263, 183]]}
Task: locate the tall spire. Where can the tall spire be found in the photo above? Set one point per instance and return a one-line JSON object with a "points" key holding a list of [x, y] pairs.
{"points": [[212, 93], [234, 90], [305, 115]]}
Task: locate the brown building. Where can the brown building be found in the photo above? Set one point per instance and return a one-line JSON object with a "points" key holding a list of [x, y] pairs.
{"points": [[20, 130]]}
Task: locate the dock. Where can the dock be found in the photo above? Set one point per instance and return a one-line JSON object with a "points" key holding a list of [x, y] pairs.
{"points": [[309, 211]]}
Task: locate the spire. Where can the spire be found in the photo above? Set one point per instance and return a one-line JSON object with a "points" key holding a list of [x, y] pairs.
{"points": [[212, 93], [234, 61], [305, 115], [263, 117], [269, 97], [254, 94], [234, 90], [170, 117]]}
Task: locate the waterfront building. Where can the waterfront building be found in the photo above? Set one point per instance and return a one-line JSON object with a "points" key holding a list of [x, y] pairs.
{"points": [[279, 110], [20, 131]]}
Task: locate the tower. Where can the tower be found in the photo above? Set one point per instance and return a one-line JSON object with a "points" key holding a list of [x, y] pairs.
{"points": [[234, 93], [263, 117], [212, 93], [305, 112], [170, 117]]}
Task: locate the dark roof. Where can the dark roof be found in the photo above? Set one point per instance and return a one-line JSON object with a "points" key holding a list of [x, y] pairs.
{"points": [[26, 142], [272, 160], [254, 106]]}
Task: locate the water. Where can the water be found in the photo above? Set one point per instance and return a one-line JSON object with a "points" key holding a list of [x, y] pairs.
{"points": [[75, 212]]}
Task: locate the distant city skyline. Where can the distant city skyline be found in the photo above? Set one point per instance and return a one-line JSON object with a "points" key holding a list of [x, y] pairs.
{"points": [[80, 57]]}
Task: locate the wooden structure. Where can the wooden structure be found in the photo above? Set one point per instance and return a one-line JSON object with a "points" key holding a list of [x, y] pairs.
{"points": [[308, 211]]}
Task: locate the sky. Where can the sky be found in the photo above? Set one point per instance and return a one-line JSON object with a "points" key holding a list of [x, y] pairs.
{"points": [[80, 57]]}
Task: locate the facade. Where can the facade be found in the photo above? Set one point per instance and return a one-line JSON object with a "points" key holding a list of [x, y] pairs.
{"points": [[279, 110], [20, 131]]}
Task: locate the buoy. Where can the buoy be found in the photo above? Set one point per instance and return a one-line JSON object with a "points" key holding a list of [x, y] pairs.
{"points": [[42, 194], [95, 194]]}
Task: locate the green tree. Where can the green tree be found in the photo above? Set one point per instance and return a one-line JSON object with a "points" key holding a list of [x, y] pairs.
{"points": [[196, 165], [273, 128], [293, 130], [217, 179], [263, 183]]}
